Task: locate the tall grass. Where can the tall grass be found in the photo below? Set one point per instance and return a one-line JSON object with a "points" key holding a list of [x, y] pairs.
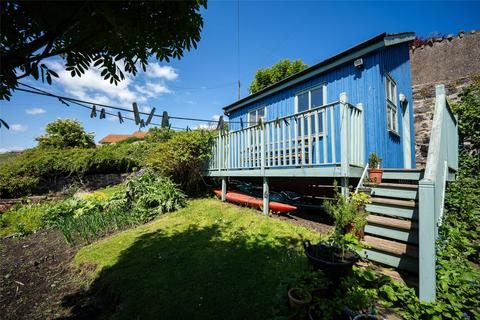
{"points": [[90, 227]]}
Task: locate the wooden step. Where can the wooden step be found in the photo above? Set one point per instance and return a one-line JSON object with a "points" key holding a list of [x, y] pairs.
{"points": [[376, 230], [382, 190], [394, 202], [401, 262], [392, 185], [392, 222], [394, 247], [402, 174], [393, 211]]}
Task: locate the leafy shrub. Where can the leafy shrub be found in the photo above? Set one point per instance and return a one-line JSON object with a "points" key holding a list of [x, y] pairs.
{"points": [[183, 157], [344, 210], [143, 198], [149, 195], [66, 133], [159, 134]]}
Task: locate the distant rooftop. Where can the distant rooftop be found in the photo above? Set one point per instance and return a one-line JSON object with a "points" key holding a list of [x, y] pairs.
{"points": [[115, 138]]}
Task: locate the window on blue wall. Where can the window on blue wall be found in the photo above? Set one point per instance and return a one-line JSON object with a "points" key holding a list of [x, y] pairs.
{"points": [[391, 88], [255, 115], [303, 104], [310, 99]]}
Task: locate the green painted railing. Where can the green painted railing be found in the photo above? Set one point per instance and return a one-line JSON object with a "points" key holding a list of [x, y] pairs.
{"points": [[442, 163]]}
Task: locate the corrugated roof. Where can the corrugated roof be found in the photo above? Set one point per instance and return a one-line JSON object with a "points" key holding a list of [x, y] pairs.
{"points": [[384, 39]]}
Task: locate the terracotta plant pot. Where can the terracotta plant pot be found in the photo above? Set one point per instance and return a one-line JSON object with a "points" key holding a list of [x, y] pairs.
{"points": [[294, 297], [375, 175]]}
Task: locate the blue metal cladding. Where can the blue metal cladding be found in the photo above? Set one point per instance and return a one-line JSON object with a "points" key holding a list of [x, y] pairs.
{"points": [[363, 85]]}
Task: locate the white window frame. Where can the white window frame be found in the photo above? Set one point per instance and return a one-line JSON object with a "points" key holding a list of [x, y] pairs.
{"points": [[324, 102], [250, 124], [391, 105], [309, 90]]}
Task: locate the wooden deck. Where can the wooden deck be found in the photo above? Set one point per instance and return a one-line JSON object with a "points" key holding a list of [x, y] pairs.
{"points": [[327, 141]]}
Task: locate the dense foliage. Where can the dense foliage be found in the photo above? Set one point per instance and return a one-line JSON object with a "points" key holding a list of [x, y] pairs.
{"points": [[468, 113], [182, 158], [35, 168], [279, 71], [143, 198], [98, 33], [159, 134], [65, 133], [88, 217], [179, 155], [458, 269]]}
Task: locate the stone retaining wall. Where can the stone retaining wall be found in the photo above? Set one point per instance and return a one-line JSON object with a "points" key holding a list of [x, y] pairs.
{"points": [[91, 181], [453, 61]]}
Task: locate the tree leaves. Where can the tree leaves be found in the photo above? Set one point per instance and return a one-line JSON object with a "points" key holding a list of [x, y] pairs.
{"points": [[102, 33], [277, 72]]}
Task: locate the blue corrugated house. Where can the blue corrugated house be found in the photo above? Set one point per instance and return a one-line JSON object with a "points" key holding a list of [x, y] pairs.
{"points": [[323, 122]]}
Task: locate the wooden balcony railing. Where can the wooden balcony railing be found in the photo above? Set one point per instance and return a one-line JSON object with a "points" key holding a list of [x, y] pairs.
{"points": [[331, 134]]}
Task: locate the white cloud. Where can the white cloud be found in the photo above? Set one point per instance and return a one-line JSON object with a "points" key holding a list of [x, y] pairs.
{"points": [[209, 125], [17, 127], [155, 70], [35, 111], [92, 87], [11, 149]]}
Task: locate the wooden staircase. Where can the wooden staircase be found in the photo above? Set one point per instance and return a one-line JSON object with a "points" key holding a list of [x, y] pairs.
{"points": [[391, 233]]}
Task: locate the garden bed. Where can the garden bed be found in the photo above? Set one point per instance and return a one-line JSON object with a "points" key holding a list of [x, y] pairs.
{"points": [[35, 274]]}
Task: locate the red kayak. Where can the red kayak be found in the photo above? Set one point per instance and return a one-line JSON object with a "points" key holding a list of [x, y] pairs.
{"points": [[246, 200]]}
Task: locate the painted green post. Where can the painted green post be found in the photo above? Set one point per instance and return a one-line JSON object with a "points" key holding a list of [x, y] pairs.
{"points": [[266, 196], [224, 188], [427, 270], [344, 143]]}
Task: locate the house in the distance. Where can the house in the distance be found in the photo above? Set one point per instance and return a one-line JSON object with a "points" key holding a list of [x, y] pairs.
{"points": [[116, 138]]}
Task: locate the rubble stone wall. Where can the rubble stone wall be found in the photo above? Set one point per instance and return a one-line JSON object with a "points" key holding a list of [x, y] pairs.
{"points": [[453, 61]]}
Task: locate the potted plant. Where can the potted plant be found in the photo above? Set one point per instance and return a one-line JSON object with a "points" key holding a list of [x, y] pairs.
{"points": [[314, 282], [335, 256], [299, 298], [348, 213], [374, 172]]}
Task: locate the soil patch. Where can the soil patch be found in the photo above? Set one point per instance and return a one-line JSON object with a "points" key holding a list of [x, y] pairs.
{"points": [[35, 275], [317, 222]]}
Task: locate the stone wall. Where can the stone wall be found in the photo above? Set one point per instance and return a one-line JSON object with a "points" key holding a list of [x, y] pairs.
{"points": [[92, 181], [453, 61]]}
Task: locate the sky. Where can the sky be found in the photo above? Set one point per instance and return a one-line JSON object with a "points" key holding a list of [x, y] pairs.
{"points": [[205, 79]]}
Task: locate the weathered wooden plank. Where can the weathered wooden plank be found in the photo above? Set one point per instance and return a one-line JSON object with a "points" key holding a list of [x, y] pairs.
{"points": [[392, 222], [395, 247]]}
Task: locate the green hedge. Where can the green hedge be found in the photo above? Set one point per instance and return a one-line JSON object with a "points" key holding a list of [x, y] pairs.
{"points": [[26, 173]]}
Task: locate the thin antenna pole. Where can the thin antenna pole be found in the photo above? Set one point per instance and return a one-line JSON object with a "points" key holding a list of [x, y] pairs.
{"points": [[238, 47]]}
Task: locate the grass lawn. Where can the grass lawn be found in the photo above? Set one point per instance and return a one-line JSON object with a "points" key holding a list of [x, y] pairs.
{"points": [[211, 260]]}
